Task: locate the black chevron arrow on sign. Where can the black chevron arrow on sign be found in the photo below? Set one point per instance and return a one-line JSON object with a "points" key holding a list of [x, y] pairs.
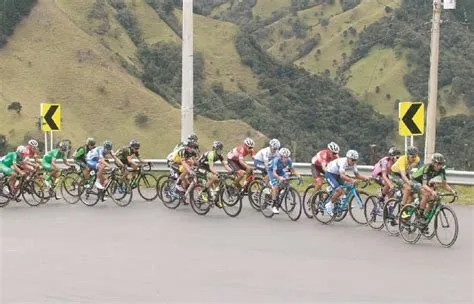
{"points": [[408, 118], [48, 117]]}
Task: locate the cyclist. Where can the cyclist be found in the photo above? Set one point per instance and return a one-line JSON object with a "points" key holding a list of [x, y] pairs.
{"points": [[206, 163], [191, 138], [80, 154], [10, 165], [32, 159], [96, 160], [49, 162], [400, 173], [263, 157], [382, 170], [183, 159], [320, 161], [236, 161], [336, 176], [125, 154], [277, 173], [423, 177]]}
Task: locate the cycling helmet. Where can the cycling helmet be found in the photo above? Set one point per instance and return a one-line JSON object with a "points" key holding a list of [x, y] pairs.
{"points": [[352, 154], [107, 145], [218, 145], [33, 143], [393, 151], [191, 144], [90, 141], [438, 158], [135, 144], [412, 150], [274, 144], [192, 137], [333, 147], [21, 150], [285, 152], [63, 145], [249, 142]]}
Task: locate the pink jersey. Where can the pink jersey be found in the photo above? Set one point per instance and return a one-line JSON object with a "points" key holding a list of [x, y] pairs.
{"points": [[239, 152], [385, 164], [323, 157], [30, 151]]}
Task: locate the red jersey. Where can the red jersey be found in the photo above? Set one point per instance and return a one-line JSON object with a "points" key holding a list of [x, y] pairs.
{"points": [[323, 157], [30, 151], [240, 152]]}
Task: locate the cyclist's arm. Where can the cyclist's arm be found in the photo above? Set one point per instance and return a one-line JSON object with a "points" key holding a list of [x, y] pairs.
{"points": [[345, 177], [387, 179], [404, 176], [17, 169], [428, 188], [116, 159]]}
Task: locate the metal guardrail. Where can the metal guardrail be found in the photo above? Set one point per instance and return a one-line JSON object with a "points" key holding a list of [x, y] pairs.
{"points": [[454, 177]]}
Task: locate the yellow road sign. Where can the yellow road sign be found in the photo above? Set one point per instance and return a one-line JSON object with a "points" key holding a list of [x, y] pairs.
{"points": [[50, 117], [411, 118]]}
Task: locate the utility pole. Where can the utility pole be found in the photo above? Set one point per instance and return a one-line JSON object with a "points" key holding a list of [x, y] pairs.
{"points": [[187, 104], [430, 140]]}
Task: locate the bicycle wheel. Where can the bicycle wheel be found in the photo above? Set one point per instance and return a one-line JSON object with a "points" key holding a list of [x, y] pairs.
{"points": [[254, 188], [70, 187], [318, 207], [443, 222], [229, 194], [307, 197], [4, 192], [265, 199], [291, 204], [356, 207], [167, 196], [234, 209], [390, 213], [32, 192], [373, 212], [148, 187], [121, 192], [197, 204], [159, 183], [89, 196], [408, 224]]}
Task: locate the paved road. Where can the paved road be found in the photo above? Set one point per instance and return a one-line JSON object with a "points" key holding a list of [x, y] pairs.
{"points": [[146, 253]]}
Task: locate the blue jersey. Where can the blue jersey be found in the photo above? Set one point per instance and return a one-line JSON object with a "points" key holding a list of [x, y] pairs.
{"points": [[277, 163], [95, 154]]}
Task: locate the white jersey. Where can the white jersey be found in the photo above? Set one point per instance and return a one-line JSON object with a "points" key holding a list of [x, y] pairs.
{"points": [[266, 154], [340, 165]]}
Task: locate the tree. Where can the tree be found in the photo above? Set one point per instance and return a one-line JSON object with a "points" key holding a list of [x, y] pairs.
{"points": [[15, 106]]}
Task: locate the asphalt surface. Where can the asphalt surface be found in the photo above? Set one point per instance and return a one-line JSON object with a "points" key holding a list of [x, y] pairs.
{"points": [[146, 253]]}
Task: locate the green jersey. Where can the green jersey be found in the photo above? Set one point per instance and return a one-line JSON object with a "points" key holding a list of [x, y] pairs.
{"points": [[80, 154], [124, 153], [10, 159], [427, 172], [52, 155]]}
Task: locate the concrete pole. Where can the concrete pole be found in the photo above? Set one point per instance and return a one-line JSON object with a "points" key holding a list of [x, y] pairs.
{"points": [[187, 71], [430, 141]]}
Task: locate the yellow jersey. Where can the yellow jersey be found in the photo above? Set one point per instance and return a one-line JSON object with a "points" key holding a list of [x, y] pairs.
{"points": [[402, 164]]}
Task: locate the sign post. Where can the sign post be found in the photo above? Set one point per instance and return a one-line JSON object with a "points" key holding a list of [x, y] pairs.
{"points": [[411, 117], [50, 121]]}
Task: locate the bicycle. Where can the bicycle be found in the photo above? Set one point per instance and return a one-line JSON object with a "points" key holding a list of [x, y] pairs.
{"points": [[415, 224], [350, 202], [251, 187], [308, 197], [225, 192], [170, 196], [145, 182], [289, 200], [374, 208], [24, 186], [116, 188], [66, 183]]}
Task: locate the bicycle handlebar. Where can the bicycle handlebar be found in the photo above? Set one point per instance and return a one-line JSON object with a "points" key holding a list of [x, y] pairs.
{"points": [[454, 197]]}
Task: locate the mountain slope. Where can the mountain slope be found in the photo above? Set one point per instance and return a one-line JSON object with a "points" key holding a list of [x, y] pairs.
{"points": [[41, 63]]}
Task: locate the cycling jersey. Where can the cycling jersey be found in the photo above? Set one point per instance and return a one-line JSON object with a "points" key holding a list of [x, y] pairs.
{"points": [[80, 154], [323, 157], [208, 159], [240, 152], [340, 165], [93, 157], [124, 153], [384, 164], [278, 164], [402, 164], [30, 151], [52, 155], [183, 153], [266, 154], [427, 172], [7, 162]]}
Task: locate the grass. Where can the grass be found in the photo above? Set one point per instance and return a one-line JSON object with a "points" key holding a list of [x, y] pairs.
{"points": [[264, 8], [54, 57]]}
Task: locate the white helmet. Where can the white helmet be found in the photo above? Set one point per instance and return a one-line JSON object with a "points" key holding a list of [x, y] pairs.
{"points": [[33, 143], [333, 147], [352, 154], [285, 152], [275, 144], [21, 150], [249, 142]]}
